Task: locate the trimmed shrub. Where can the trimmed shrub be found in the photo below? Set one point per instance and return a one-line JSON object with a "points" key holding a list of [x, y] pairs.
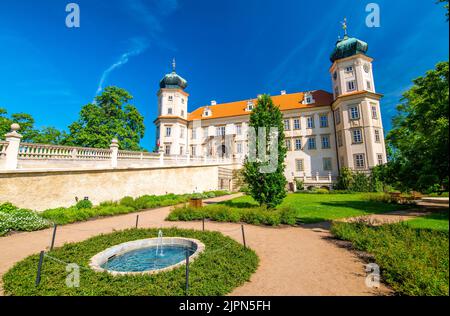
{"points": [[84, 204], [128, 201], [15, 219]]}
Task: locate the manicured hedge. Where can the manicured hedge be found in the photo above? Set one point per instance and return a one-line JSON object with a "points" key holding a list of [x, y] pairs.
{"points": [[412, 261], [224, 265], [224, 213]]}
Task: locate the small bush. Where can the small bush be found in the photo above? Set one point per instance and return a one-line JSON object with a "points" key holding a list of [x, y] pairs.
{"points": [[84, 204], [128, 201], [15, 219], [300, 185]]}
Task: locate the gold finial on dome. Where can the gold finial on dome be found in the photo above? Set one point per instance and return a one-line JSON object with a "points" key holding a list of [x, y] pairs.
{"points": [[174, 64], [344, 26]]}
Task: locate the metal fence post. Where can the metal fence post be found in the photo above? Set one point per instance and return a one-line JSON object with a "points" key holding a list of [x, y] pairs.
{"points": [[187, 272], [39, 269], [53, 237], [137, 221], [203, 224], [243, 235]]}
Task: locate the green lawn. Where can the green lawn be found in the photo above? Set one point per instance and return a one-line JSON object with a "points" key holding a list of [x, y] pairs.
{"points": [[435, 221], [312, 208]]}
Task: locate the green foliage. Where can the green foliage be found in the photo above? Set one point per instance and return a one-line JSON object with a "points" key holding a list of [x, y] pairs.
{"points": [[345, 179], [300, 185], [268, 189], [46, 135], [412, 261], [84, 204], [224, 213], [224, 265], [109, 117], [419, 139], [14, 219]]}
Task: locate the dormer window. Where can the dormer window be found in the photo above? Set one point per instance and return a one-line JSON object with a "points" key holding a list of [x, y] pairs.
{"points": [[207, 112], [249, 106], [309, 99]]}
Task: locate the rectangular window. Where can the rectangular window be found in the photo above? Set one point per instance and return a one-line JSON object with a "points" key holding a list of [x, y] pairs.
{"points": [[169, 111], [311, 143], [193, 151], [377, 136], [168, 131], [182, 132], [287, 125], [194, 133], [220, 131], [324, 120], [288, 144], [299, 165], [359, 161], [351, 86], [239, 129], [374, 112], [181, 150], [349, 69], [182, 113], [369, 86], [239, 148], [325, 141], [296, 123], [357, 136], [354, 112], [380, 159], [339, 139], [327, 166], [170, 98], [167, 150], [337, 114], [310, 121], [298, 144]]}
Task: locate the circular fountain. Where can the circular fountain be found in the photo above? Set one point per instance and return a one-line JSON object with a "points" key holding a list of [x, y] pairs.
{"points": [[147, 256]]}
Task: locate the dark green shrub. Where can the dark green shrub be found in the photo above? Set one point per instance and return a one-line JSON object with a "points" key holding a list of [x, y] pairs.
{"points": [[128, 201], [84, 204], [288, 215]]}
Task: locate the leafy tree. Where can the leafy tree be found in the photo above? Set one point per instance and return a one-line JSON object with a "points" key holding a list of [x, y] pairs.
{"points": [[269, 188], [419, 138], [110, 116], [445, 6], [345, 179], [50, 135]]}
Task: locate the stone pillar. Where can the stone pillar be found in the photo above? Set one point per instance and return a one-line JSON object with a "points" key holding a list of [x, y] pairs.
{"points": [[114, 152], [329, 176], [317, 176], [12, 151], [161, 156]]}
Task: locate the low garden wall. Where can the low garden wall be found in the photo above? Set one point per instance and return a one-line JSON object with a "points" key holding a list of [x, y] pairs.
{"points": [[40, 190]]}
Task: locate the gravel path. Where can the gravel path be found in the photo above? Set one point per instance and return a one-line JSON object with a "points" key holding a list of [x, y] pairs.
{"points": [[293, 260]]}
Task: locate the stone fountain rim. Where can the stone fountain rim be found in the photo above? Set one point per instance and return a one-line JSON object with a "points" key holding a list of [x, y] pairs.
{"points": [[100, 258]]}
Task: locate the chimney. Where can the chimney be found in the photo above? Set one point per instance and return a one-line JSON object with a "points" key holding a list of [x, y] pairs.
{"points": [[213, 102], [283, 92]]}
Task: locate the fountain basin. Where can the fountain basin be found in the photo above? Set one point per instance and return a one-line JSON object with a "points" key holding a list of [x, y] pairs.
{"points": [[146, 256]]}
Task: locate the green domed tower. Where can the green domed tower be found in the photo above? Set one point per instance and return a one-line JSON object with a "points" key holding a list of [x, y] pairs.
{"points": [[356, 106]]}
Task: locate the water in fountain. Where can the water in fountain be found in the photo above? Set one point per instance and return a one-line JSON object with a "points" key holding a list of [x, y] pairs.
{"points": [[159, 244]]}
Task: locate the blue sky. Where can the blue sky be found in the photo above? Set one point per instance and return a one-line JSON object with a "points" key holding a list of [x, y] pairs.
{"points": [[227, 50]]}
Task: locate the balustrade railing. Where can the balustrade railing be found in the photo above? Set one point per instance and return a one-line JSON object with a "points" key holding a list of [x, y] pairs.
{"points": [[3, 147]]}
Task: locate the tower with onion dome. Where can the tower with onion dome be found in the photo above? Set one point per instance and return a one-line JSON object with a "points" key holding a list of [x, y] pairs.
{"points": [[356, 106], [171, 124]]}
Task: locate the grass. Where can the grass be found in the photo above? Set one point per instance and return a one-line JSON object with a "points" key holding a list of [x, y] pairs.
{"points": [[223, 266], [412, 261], [312, 208], [435, 221]]}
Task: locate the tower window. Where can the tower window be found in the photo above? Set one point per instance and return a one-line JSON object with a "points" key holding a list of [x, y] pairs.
{"points": [[369, 86], [374, 112], [357, 136], [354, 112], [377, 136], [167, 150], [181, 132], [339, 139], [349, 69], [170, 98], [380, 159], [168, 131], [182, 112], [169, 111], [359, 161], [336, 91], [351, 85], [337, 113], [182, 100]]}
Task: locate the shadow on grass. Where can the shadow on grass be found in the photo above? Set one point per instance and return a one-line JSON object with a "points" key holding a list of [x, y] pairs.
{"points": [[367, 206], [236, 204]]}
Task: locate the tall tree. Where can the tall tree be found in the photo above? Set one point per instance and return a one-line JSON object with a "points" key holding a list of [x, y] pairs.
{"points": [[268, 188], [420, 137], [110, 116]]}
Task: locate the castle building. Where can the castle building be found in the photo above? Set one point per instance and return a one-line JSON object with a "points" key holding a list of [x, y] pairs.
{"points": [[324, 131]]}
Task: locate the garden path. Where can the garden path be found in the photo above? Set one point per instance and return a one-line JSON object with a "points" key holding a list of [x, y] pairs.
{"points": [[293, 260]]}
